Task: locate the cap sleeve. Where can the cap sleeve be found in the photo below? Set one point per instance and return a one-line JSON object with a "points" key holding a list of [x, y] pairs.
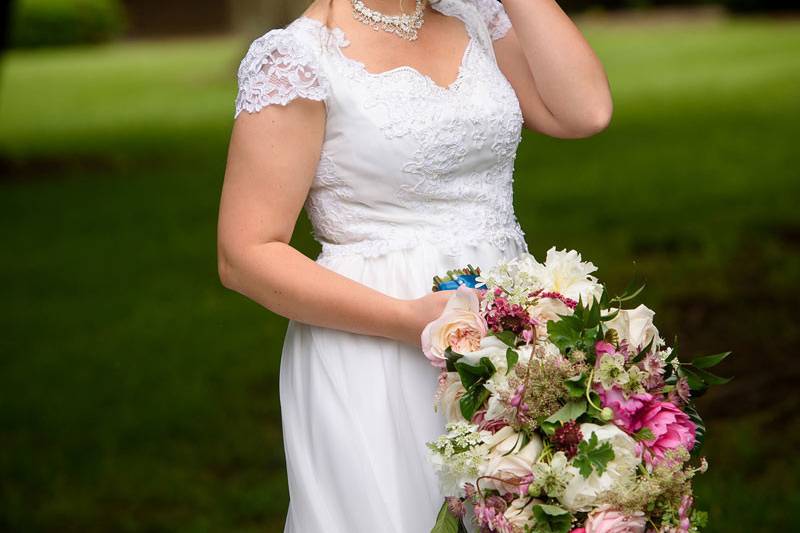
{"points": [[277, 68], [495, 17]]}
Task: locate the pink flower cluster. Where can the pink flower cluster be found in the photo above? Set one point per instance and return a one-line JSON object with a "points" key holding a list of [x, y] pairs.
{"points": [[490, 514], [541, 293], [501, 315], [670, 427]]}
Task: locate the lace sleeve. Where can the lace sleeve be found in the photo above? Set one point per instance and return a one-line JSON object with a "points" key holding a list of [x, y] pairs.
{"points": [[495, 16], [278, 68]]}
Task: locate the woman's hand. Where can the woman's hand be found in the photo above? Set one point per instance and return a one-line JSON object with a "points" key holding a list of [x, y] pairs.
{"points": [[418, 312]]}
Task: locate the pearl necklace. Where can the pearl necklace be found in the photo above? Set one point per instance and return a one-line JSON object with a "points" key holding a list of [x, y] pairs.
{"points": [[404, 25]]}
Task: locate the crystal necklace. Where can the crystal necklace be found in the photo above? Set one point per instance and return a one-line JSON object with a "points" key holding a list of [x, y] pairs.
{"points": [[404, 25]]}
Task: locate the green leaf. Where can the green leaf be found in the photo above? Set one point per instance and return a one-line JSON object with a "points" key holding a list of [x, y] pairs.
{"points": [[644, 434], [576, 385], [593, 456], [508, 337], [551, 519], [593, 318], [707, 361], [696, 383], [552, 510], [548, 427], [604, 298], [470, 374], [700, 428], [610, 316], [569, 411], [452, 357], [446, 522], [511, 358], [711, 379], [565, 333], [625, 296], [639, 356], [473, 399]]}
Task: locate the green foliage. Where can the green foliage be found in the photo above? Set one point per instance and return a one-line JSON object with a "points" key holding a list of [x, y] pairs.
{"points": [[550, 519], [700, 428], [506, 336], [511, 358], [473, 377], [576, 385], [709, 361], [569, 411], [37, 23], [593, 456], [577, 331], [447, 522]]}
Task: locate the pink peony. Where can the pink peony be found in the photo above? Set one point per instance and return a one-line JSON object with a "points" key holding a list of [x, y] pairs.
{"points": [[460, 327], [626, 408], [611, 521], [671, 428], [578, 530], [602, 347]]}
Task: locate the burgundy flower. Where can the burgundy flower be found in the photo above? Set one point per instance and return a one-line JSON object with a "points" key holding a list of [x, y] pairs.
{"points": [[567, 437], [504, 316]]}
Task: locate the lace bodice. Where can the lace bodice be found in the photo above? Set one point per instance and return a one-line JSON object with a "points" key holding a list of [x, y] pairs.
{"points": [[404, 160]]}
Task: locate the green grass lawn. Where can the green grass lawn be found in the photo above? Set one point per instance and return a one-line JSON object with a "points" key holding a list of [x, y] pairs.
{"points": [[139, 395]]}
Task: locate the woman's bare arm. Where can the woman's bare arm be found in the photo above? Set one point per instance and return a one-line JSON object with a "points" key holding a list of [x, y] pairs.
{"points": [[559, 80], [271, 162]]}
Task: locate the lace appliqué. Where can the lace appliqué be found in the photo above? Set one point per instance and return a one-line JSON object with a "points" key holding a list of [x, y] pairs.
{"points": [[326, 204], [458, 182], [277, 69], [495, 16], [408, 103]]}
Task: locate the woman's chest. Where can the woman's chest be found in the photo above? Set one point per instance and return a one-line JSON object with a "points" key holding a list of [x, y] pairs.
{"points": [[403, 120]]}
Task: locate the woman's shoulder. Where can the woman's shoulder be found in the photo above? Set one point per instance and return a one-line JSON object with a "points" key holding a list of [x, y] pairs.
{"points": [[280, 65]]}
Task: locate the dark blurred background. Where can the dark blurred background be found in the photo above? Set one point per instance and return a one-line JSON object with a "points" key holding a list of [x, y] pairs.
{"points": [[139, 395]]}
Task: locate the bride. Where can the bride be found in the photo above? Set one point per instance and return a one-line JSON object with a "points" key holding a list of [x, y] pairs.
{"points": [[396, 127]]}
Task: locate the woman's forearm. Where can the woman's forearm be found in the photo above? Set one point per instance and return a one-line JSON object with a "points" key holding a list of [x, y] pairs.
{"points": [[569, 76], [290, 284]]}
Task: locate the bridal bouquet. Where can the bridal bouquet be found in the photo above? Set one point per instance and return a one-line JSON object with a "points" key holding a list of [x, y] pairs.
{"points": [[566, 412]]}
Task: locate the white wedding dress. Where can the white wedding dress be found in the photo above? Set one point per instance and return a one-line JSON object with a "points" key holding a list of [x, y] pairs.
{"points": [[413, 179]]}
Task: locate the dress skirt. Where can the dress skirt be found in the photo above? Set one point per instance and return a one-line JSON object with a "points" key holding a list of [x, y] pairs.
{"points": [[357, 410]]}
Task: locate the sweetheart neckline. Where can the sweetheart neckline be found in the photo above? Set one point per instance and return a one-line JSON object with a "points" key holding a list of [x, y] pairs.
{"points": [[342, 39]]}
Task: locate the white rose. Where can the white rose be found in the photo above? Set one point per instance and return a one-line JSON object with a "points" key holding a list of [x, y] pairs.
{"points": [[449, 401], [581, 493], [565, 273], [636, 326], [508, 459]]}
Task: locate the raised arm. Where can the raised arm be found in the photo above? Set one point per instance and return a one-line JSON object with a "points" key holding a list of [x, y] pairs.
{"points": [[559, 80]]}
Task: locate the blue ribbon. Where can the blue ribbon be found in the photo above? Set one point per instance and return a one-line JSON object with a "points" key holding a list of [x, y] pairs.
{"points": [[464, 279]]}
